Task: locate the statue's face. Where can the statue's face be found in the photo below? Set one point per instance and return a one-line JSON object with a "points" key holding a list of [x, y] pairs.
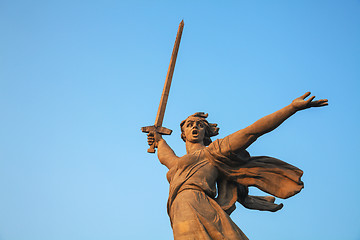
{"points": [[194, 130]]}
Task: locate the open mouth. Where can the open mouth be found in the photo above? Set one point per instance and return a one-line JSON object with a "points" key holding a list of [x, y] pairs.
{"points": [[195, 132]]}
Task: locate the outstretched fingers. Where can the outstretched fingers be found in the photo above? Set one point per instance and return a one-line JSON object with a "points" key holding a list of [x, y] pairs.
{"points": [[310, 99], [305, 95], [319, 103], [300, 103]]}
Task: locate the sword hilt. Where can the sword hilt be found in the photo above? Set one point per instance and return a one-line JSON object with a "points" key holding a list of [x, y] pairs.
{"points": [[153, 129]]}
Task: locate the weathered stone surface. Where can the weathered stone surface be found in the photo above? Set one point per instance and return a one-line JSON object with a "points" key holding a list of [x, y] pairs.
{"points": [[206, 182], [212, 176]]}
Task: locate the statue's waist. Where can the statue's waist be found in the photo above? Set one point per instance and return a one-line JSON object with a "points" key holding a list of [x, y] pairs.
{"points": [[209, 192]]}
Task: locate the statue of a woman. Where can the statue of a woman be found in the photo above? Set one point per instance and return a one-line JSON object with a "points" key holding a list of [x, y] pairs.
{"points": [[207, 181]]}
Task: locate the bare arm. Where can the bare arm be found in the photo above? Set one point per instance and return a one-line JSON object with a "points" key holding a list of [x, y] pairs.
{"points": [[245, 137], [165, 154]]}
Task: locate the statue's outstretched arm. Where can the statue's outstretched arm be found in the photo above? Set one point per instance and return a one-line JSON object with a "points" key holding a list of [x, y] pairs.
{"points": [[165, 154], [245, 137]]}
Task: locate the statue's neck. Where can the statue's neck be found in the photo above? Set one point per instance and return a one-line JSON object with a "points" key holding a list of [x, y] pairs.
{"points": [[192, 147]]}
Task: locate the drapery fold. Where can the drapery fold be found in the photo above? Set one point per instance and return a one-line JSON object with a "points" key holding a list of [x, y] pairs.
{"points": [[240, 171]]}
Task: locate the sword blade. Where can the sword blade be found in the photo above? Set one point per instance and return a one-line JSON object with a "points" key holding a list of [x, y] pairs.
{"points": [[165, 94]]}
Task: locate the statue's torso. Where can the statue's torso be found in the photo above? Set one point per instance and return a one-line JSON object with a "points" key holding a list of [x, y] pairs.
{"points": [[200, 173], [194, 213]]}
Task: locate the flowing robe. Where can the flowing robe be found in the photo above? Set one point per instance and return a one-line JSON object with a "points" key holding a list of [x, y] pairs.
{"points": [[205, 185]]}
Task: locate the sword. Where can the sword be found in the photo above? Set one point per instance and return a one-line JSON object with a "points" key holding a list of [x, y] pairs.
{"points": [[157, 127]]}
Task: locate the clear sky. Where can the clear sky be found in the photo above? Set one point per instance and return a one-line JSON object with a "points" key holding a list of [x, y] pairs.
{"points": [[78, 79]]}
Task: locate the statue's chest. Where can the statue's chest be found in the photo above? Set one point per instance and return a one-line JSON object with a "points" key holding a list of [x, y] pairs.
{"points": [[197, 166], [190, 160]]}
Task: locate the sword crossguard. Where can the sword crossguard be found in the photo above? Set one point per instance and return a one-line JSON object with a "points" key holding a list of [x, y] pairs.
{"points": [[153, 129]]}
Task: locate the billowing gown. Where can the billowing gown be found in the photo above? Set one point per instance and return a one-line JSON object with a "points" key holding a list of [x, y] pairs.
{"points": [[205, 185]]}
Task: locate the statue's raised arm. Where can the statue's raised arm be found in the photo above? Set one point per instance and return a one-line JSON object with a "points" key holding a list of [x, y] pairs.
{"points": [[165, 153], [211, 177], [245, 137]]}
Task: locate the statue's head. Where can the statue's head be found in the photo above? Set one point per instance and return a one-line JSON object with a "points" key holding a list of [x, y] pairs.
{"points": [[196, 128]]}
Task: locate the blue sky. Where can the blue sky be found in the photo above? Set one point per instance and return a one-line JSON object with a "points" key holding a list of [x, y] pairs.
{"points": [[78, 79]]}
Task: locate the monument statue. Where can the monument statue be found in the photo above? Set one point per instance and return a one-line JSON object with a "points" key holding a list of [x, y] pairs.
{"points": [[206, 183]]}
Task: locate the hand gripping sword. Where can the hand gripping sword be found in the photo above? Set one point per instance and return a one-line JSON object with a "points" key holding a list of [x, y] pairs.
{"points": [[157, 127]]}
